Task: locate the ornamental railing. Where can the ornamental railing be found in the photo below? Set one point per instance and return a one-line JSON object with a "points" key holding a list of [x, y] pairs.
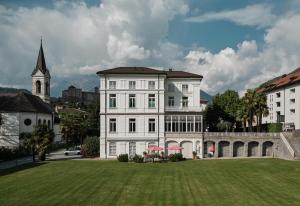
{"points": [[241, 134]]}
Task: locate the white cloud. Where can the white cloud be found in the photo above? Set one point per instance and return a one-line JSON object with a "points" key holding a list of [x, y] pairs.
{"points": [[246, 66], [79, 39], [259, 15]]}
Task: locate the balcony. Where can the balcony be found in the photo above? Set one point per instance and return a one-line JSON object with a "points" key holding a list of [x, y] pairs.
{"points": [[183, 109]]}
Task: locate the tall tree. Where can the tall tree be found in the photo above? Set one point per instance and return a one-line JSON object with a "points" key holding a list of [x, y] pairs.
{"points": [[261, 109], [249, 102]]}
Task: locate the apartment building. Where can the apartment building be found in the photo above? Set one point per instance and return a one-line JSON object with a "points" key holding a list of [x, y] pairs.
{"points": [[142, 107]]}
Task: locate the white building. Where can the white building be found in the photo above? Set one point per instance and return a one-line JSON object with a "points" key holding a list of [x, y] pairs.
{"points": [[21, 112], [141, 107], [283, 98]]}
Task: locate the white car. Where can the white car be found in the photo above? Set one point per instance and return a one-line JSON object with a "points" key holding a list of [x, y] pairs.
{"points": [[73, 151]]}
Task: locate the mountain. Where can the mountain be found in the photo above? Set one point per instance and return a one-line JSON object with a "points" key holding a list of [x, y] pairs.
{"points": [[12, 90], [204, 95]]}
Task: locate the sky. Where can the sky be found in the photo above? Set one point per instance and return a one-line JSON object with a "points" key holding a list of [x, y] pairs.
{"points": [[233, 44]]}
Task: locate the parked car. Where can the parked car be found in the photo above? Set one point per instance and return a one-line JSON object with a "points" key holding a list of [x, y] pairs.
{"points": [[73, 151]]}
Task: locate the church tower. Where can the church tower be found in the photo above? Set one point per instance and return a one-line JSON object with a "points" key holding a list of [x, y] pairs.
{"points": [[41, 78]]}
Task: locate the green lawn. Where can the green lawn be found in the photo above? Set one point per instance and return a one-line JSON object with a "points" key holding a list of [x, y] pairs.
{"points": [[214, 182]]}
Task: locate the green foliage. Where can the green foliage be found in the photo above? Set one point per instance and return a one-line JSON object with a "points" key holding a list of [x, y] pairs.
{"points": [[176, 157], [38, 141], [12, 153], [274, 127], [138, 158], [123, 158], [91, 147], [73, 127]]}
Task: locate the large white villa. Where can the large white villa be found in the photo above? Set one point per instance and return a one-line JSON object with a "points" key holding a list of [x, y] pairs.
{"points": [[142, 107]]}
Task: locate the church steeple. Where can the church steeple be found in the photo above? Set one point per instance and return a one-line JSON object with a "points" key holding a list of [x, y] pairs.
{"points": [[40, 63], [41, 77]]}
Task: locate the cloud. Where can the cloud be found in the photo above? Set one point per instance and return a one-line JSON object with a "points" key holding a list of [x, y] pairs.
{"points": [[247, 66], [82, 40], [258, 15]]}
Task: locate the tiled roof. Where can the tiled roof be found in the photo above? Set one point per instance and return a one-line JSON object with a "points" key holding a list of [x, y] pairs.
{"points": [[23, 102], [282, 81], [144, 70]]}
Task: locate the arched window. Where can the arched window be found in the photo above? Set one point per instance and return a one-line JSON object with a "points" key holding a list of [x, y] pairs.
{"points": [[38, 86], [44, 122], [47, 88], [39, 122], [49, 124]]}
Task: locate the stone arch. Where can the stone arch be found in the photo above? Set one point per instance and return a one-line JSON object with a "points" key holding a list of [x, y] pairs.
{"points": [[38, 86], [253, 149], [267, 149], [207, 145], [187, 150], [224, 149], [238, 149], [169, 144]]}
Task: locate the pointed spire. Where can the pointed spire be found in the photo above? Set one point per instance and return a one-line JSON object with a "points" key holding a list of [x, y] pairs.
{"points": [[41, 63]]}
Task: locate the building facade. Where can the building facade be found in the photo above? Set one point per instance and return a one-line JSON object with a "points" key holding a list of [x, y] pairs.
{"points": [[142, 107], [77, 96], [283, 99]]}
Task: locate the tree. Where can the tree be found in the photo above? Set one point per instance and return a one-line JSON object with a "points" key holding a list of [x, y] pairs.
{"points": [[242, 115], [261, 109], [38, 141], [73, 127], [249, 102]]}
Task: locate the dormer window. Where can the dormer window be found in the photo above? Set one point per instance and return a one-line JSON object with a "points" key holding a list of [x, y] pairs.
{"points": [[131, 84]]}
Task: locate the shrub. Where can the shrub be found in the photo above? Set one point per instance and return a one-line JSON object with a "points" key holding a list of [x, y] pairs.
{"points": [[123, 158], [274, 127], [138, 158], [12, 153], [176, 157], [91, 147]]}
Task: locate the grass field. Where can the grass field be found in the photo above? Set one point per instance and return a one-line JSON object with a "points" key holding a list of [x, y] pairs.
{"points": [[215, 182]]}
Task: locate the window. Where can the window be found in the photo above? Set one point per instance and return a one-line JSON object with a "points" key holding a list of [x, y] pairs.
{"points": [[39, 122], [292, 90], [190, 123], [292, 101], [278, 94], [131, 100], [151, 85], [112, 149], [131, 125], [112, 125], [171, 87], [47, 88], [171, 101], [292, 111], [44, 122], [112, 100], [183, 124], [185, 88], [151, 124], [132, 148], [168, 123], [198, 124], [27, 122], [49, 124], [131, 84], [151, 100], [185, 101], [112, 84], [175, 123], [278, 104], [38, 87]]}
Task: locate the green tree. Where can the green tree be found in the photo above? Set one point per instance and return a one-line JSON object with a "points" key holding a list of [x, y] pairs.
{"points": [[73, 127], [249, 102], [38, 141], [261, 109]]}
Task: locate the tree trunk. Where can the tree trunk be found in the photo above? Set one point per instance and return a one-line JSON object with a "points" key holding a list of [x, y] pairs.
{"points": [[257, 123], [33, 154]]}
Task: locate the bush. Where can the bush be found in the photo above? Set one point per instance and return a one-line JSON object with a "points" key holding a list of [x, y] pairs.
{"points": [[91, 147], [138, 158], [176, 157], [274, 127], [12, 153], [123, 158]]}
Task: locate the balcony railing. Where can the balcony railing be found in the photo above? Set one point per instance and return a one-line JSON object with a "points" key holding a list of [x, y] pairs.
{"points": [[241, 134]]}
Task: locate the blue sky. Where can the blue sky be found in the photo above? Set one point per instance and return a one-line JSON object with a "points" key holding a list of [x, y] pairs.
{"points": [[233, 44]]}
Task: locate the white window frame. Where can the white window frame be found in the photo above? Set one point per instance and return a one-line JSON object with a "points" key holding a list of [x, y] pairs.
{"points": [[112, 84], [112, 99], [112, 125], [185, 101], [112, 149], [151, 125], [151, 100], [132, 148], [151, 84], [132, 84], [132, 101], [171, 101], [132, 125], [185, 88]]}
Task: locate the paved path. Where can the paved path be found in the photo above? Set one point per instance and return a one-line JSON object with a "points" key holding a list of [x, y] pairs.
{"points": [[59, 155]]}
